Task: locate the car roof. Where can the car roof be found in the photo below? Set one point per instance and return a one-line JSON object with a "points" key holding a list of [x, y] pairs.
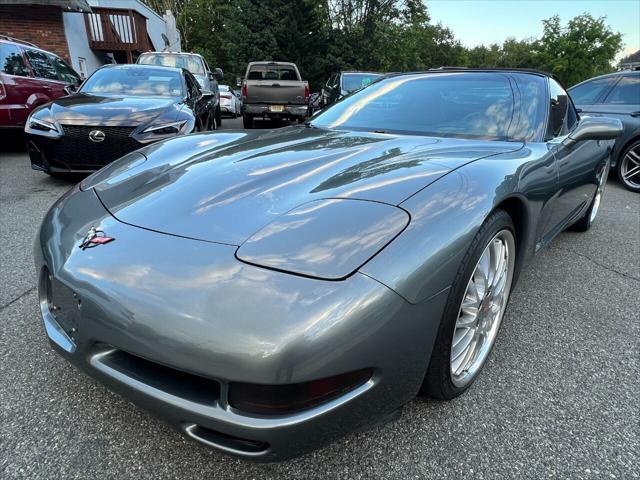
{"points": [[271, 62], [606, 75], [139, 66], [361, 71], [171, 53], [529, 71], [24, 43]]}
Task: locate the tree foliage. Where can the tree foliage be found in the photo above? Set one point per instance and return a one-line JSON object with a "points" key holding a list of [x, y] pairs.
{"points": [[323, 36]]}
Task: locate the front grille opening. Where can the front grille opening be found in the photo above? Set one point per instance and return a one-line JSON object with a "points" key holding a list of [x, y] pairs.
{"points": [[174, 382], [219, 439]]}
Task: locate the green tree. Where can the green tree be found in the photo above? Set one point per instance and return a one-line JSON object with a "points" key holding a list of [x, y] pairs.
{"points": [[586, 47]]}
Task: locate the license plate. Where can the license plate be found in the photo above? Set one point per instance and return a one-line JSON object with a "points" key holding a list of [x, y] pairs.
{"points": [[276, 108]]}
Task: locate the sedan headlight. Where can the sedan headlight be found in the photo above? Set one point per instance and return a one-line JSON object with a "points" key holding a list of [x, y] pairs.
{"points": [[172, 128], [327, 239], [40, 126]]}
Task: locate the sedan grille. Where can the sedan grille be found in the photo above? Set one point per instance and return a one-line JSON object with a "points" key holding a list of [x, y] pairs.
{"points": [[76, 149]]}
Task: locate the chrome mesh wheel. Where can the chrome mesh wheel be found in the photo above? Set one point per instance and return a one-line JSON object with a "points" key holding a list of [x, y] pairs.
{"points": [[482, 308]]}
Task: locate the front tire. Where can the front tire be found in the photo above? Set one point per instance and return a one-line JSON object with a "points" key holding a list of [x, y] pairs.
{"points": [[474, 310], [628, 168], [590, 215]]}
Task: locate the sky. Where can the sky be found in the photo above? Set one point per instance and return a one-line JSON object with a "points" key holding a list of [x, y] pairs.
{"points": [[476, 22]]}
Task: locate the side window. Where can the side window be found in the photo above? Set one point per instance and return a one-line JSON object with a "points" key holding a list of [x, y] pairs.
{"points": [[65, 72], [331, 81], [192, 87], [40, 64], [626, 92], [11, 61], [560, 104], [589, 92]]}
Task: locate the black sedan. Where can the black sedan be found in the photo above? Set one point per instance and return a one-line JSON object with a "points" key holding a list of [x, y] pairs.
{"points": [[120, 108], [616, 95]]}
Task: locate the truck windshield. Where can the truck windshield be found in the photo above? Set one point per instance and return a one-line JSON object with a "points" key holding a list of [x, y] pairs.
{"points": [[272, 72], [466, 105], [188, 62]]}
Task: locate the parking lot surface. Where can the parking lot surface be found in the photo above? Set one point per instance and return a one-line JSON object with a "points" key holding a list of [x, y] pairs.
{"points": [[557, 399]]}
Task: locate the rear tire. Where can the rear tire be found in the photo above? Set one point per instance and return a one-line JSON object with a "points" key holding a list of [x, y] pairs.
{"points": [[247, 121], [482, 285], [218, 117], [628, 167]]}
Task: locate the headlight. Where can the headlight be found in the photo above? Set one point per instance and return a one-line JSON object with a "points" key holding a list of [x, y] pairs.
{"points": [[172, 128], [327, 239], [40, 126]]}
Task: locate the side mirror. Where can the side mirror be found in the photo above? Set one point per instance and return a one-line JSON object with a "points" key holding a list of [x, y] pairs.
{"points": [[594, 128], [69, 89], [217, 72]]}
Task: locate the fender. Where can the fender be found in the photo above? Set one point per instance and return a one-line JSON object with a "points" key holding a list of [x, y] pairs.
{"points": [[445, 217]]}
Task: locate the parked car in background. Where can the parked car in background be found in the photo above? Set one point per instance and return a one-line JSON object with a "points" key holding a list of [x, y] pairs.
{"points": [[229, 102], [273, 90], [29, 77], [118, 109], [194, 63], [343, 83], [616, 95]]}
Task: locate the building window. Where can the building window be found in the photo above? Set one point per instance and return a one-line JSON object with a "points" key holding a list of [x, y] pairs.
{"points": [[82, 66]]}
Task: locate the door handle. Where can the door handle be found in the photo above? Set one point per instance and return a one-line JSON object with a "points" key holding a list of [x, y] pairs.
{"points": [[635, 114]]}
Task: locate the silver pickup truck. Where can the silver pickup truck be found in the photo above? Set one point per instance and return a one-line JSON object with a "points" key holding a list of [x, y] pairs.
{"points": [[273, 90]]}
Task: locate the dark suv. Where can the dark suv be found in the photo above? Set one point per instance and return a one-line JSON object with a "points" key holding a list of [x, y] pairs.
{"points": [[30, 76]]}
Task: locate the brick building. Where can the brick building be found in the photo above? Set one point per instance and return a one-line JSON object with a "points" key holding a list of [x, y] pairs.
{"points": [[89, 33], [40, 23]]}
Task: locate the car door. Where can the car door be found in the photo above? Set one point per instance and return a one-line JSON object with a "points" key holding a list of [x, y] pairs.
{"points": [[49, 82], [576, 166], [16, 87], [197, 102]]}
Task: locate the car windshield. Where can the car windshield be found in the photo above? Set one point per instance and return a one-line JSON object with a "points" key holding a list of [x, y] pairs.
{"points": [[354, 81], [132, 81], [188, 62], [466, 105]]}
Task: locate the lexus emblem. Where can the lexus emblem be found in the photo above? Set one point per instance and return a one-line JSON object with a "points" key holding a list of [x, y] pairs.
{"points": [[96, 136], [93, 238]]}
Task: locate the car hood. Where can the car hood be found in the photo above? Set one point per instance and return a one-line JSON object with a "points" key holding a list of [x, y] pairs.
{"points": [[111, 110], [223, 187]]}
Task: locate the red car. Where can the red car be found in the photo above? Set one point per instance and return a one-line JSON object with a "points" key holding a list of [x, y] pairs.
{"points": [[30, 76]]}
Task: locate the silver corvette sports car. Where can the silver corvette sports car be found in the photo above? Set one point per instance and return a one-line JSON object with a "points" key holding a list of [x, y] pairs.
{"points": [[265, 292]]}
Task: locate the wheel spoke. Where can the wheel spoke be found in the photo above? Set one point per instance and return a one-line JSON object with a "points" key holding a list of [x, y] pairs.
{"points": [[632, 172], [461, 340], [634, 157]]}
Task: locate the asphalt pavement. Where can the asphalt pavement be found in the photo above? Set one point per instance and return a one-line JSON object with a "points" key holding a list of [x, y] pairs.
{"points": [[559, 397]]}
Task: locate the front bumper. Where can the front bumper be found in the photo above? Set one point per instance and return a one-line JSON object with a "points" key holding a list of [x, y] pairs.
{"points": [[265, 111], [76, 155], [190, 308]]}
